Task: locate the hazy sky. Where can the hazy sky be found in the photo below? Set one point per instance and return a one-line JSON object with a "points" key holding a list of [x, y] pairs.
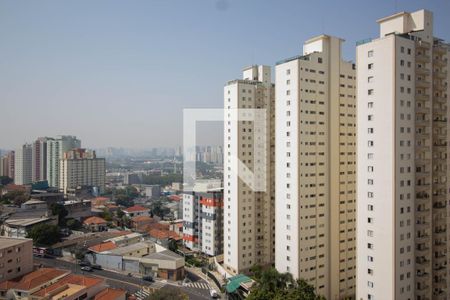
{"points": [[119, 73]]}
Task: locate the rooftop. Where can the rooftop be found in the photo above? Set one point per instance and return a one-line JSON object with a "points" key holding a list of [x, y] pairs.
{"points": [[72, 279], [34, 279], [135, 208], [132, 247], [94, 220], [109, 294], [26, 221], [6, 242], [164, 255], [106, 246], [141, 219]]}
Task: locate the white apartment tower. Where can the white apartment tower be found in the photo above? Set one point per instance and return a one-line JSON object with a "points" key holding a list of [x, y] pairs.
{"points": [[22, 165], [402, 162], [248, 214], [81, 168], [203, 221], [315, 172], [56, 147]]}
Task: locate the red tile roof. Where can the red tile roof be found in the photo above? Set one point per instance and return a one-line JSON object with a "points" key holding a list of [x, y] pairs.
{"points": [[135, 209], [94, 220], [106, 246], [70, 279], [33, 280], [142, 219], [164, 234], [109, 294], [175, 197]]}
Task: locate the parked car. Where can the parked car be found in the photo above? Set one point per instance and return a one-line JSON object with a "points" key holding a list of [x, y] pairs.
{"points": [[148, 278], [84, 263], [213, 294], [87, 269], [97, 267]]}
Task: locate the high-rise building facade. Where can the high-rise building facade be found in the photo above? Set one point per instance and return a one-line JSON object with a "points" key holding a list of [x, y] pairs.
{"points": [[39, 159], [249, 212], [203, 221], [315, 171], [22, 165], [7, 165], [403, 159], [56, 147], [81, 168]]}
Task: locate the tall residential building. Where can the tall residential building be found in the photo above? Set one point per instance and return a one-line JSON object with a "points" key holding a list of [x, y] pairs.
{"points": [[248, 214], [39, 159], [203, 221], [403, 154], [7, 165], [315, 173], [56, 148], [81, 168], [22, 165], [16, 257]]}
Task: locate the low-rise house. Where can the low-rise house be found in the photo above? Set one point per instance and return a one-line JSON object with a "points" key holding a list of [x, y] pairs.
{"points": [[78, 209], [16, 257], [19, 228], [145, 258], [135, 211], [111, 294], [71, 287], [140, 223], [24, 286], [95, 224], [34, 204], [127, 239], [102, 247]]}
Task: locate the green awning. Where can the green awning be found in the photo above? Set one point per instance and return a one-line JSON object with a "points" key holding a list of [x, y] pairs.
{"points": [[235, 282]]}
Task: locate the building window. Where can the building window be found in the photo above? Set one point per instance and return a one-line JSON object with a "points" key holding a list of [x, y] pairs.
{"points": [[370, 66], [370, 53]]}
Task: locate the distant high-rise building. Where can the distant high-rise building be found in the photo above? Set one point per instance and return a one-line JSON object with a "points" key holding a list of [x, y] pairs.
{"points": [[81, 168], [403, 158], [56, 147], [22, 165], [39, 159], [315, 172], [249, 215]]}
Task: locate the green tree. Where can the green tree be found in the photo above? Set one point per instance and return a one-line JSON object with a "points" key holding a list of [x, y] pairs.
{"points": [[73, 224], [60, 211], [44, 234], [5, 180], [272, 285], [15, 197], [120, 213]]}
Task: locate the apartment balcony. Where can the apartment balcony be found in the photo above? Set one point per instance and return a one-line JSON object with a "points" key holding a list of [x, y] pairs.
{"points": [[440, 99], [421, 251], [422, 225], [422, 71], [422, 84], [441, 283], [439, 197], [440, 247], [439, 50], [423, 97], [440, 271], [422, 44], [422, 289], [440, 74], [423, 187], [440, 62], [439, 86], [440, 123], [422, 238], [422, 275], [423, 58], [422, 109]]}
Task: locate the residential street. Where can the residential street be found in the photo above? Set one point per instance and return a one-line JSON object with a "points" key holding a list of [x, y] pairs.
{"points": [[198, 289]]}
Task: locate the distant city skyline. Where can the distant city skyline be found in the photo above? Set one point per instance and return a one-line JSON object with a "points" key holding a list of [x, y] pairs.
{"points": [[118, 74]]}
